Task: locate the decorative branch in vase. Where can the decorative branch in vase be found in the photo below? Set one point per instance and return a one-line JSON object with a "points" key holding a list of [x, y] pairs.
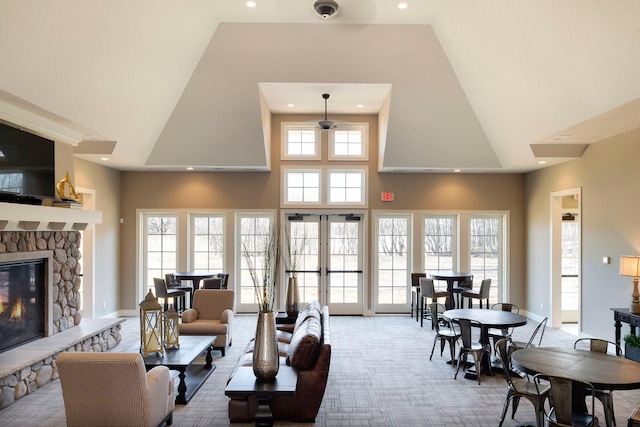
{"points": [[265, 280], [295, 244]]}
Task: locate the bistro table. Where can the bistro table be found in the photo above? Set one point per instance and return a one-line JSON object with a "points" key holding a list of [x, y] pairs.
{"points": [[194, 276], [487, 319], [603, 371], [451, 277]]}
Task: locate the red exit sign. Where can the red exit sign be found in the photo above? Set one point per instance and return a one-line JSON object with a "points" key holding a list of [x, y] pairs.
{"points": [[386, 197]]}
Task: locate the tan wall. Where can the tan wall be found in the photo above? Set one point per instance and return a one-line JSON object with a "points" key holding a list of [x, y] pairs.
{"points": [[261, 190], [106, 182], [609, 176]]}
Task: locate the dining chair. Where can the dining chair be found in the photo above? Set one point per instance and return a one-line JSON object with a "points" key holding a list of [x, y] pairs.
{"points": [[224, 280], [428, 291], [540, 328], [459, 289], [212, 283], [497, 334], [443, 334], [167, 294], [475, 349], [604, 396], [175, 284], [479, 294], [519, 388], [564, 391], [415, 293]]}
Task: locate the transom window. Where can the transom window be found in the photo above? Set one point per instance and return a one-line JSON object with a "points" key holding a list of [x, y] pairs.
{"points": [[346, 186], [300, 142], [306, 187], [302, 186], [349, 142]]}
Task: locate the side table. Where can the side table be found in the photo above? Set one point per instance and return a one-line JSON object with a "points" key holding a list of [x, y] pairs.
{"points": [[244, 384], [624, 315]]}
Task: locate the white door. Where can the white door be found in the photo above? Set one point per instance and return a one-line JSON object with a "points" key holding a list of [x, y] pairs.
{"points": [[329, 264]]}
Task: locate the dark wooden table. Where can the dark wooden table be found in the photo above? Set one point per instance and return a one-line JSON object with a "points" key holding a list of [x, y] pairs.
{"points": [[451, 277], [603, 371], [191, 376], [624, 315], [245, 384], [488, 319], [195, 276]]}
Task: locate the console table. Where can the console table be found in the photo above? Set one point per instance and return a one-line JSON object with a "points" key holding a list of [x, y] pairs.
{"points": [[624, 315]]}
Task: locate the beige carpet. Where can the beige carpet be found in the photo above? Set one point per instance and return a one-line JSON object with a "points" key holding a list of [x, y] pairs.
{"points": [[380, 376]]}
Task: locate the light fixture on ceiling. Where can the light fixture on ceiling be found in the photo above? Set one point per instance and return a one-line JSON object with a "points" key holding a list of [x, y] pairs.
{"points": [[326, 8], [325, 124]]}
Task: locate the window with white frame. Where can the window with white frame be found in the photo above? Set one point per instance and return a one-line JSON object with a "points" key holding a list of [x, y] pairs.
{"points": [[208, 242], [300, 142], [393, 259], [302, 186], [160, 247], [439, 243], [349, 142], [485, 251], [253, 233], [346, 186]]}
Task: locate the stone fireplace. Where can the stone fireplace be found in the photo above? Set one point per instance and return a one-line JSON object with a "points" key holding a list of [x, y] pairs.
{"points": [[52, 237]]}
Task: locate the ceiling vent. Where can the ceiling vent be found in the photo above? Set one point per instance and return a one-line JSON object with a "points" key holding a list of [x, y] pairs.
{"points": [[326, 8]]}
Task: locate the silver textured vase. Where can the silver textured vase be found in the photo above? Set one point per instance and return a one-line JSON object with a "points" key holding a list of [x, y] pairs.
{"points": [[293, 300], [266, 361]]}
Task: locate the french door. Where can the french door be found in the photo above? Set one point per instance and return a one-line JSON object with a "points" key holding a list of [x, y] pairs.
{"points": [[328, 251]]}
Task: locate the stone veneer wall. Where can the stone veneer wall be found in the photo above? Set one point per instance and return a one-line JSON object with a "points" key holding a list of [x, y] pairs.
{"points": [[65, 306], [66, 269]]}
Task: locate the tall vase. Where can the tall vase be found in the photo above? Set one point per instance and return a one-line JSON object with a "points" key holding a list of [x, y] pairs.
{"points": [[266, 361], [293, 300]]}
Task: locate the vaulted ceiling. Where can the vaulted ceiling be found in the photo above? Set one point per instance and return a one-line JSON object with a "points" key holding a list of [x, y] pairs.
{"points": [[480, 85]]}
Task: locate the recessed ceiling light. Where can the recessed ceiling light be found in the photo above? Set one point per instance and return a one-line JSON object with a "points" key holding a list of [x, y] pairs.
{"points": [[189, 168], [402, 5], [251, 4], [360, 106], [542, 162], [104, 158], [456, 170], [290, 105]]}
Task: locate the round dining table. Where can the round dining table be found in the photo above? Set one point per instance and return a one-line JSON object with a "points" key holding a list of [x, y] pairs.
{"points": [[195, 276], [451, 277], [487, 319], [603, 371]]}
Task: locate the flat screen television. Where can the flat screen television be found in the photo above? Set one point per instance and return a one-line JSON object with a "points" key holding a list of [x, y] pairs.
{"points": [[27, 165]]}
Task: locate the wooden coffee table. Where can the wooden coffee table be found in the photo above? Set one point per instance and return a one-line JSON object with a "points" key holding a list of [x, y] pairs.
{"points": [[181, 360]]}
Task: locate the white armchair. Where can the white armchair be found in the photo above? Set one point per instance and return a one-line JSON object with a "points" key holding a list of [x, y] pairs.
{"points": [[114, 389]]}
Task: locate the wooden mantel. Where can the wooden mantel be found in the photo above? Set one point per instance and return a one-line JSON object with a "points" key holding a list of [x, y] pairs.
{"points": [[19, 217]]}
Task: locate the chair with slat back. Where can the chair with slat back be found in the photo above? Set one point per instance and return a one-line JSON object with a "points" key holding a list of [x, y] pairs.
{"points": [[443, 334], [563, 413], [519, 388], [475, 349], [604, 396], [224, 280], [498, 334]]}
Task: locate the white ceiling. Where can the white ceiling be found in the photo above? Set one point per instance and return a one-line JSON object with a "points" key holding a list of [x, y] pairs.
{"points": [[467, 84]]}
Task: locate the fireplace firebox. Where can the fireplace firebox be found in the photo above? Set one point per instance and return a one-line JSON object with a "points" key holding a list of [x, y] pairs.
{"points": [[22, 302]]}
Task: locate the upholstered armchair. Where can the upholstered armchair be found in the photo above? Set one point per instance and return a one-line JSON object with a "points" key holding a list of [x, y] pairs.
{"points": [[212, 314], [114, 389]]}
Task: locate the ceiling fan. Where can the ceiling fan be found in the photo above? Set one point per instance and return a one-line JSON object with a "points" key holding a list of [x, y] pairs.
{"points": [[325, 124]]}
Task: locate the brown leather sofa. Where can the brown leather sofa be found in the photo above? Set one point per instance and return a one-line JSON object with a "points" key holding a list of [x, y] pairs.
{"points": [[307, 348]]}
